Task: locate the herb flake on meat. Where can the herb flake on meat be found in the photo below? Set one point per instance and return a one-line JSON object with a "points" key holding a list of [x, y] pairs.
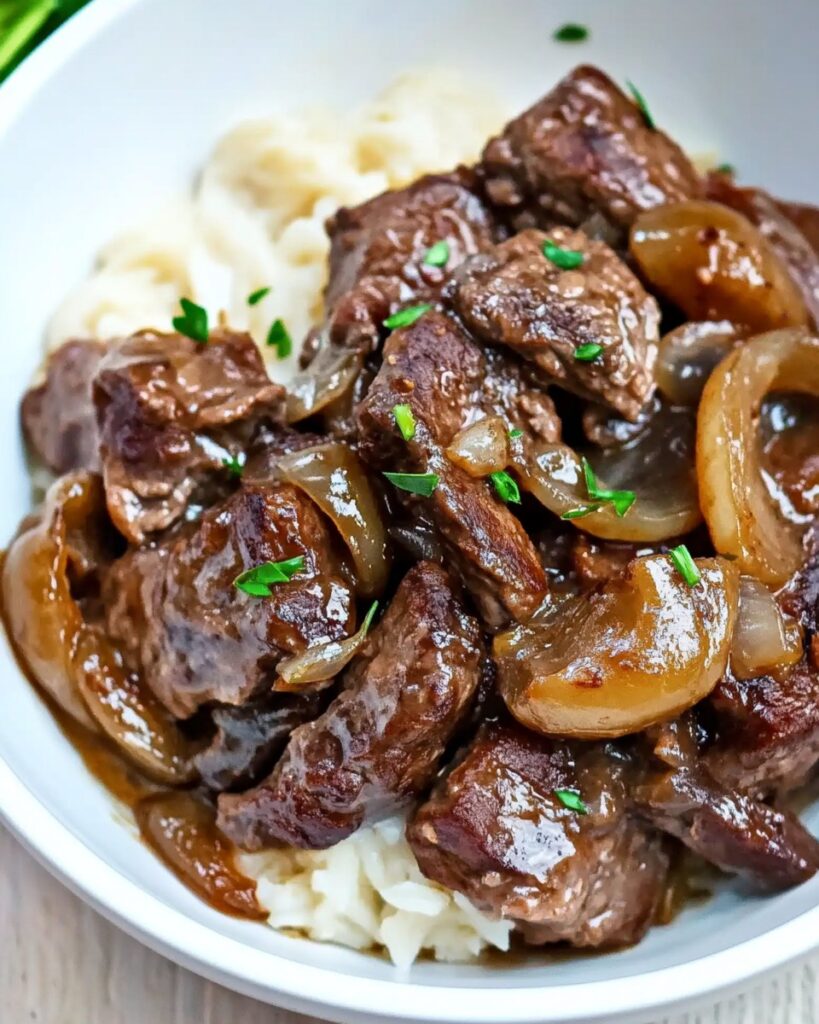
{"points": [[566, 259], [437, 255], [407, 317], [571, 800], [414, 483], [235, 464], [639, 100], [506, 487], [258, 580], [588, 353], [404, 420], [278, 337], [685, 564], [193, 323]]}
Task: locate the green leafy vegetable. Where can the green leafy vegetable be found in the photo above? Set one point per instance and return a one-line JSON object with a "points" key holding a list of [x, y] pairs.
{"points": [[587, 353], [258, 580], [571, 799], [405, 421], [571, 33], [415, 483], [193, 323], [405, 317], [639, 99], [235, 465], [279, 338], [257, 296], [566, 259], [685, 564], [515, 432], [506, 487], [437, 255], [621, 501]]}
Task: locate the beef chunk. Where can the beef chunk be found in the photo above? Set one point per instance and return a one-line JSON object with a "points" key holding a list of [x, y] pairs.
{"points": [[584, 149], [380, 741], [377, 252], [58, 416], [514, 295], [249, 738], [200, 639], [495, 830], [434, 368], [170, 411]]}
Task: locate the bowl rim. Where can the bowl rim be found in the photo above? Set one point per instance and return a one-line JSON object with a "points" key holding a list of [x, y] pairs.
{"points": [[285, 981]]}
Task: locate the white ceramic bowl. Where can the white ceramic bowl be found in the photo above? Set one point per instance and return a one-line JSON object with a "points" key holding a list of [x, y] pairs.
{"points": [[114, 113]]}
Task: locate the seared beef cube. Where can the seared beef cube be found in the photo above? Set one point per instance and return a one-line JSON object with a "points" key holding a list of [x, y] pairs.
{"points": [[514, 295], [434, 368], [202, 639], [379, 743], [496, 830], [170, 412], [378, 250], [58, 417], [584, 149], [804, 217]]}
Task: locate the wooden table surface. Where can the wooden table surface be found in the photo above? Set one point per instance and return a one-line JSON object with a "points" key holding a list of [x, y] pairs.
{"points": [[61, 963]]}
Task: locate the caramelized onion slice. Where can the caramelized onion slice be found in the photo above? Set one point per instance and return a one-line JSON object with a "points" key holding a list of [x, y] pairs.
{"points": [[482, 448], [715, 265], [330, 375], [688, 354], [315, 668], [333, 476], [741, 516], [640, 650], [658, 466], [763, 638]]}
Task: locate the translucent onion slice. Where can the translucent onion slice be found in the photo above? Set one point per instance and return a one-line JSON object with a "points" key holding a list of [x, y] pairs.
{"points": [[688, 354], [333, 476], [640, 650], [482, 448], [316, 668], [331, 374], [741, 515], [658, 466], [763, 638]]}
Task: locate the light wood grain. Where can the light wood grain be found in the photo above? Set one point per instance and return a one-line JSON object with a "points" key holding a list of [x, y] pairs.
{"points": [[61, 963]]}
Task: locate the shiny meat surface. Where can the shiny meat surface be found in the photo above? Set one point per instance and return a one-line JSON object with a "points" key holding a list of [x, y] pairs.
{"points": [[496, 830], [515, 295], [583, 149], [380, 742]]}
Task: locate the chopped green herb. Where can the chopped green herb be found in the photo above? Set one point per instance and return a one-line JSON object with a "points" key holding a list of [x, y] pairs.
{"points": [[685, 564], [587, 353], [368, 618], [621, 501], [235, 465], [257, 296], [571, 799], [279, 338], [258, 580], [404, 420], [437, 255], [193, 323], [725, 169], [415, 483], [405, 317], [578, 513], [639, 99], [515, 433], [506, 487], [571, 33], [566, 259]]}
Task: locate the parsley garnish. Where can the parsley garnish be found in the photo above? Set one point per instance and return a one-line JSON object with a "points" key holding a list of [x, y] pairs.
{"points": [[437, 255], [405, 317], [257, 296], [571, 33], [506, 487], [639, 99], [571, 798], [368, 618], [725, 169], [415, 483], [566, 259], [235, 465], [515, 433], [621, 501], [258, 580], [587, 353], [685, 564], [578, 513], [193, 323], [279, 338], [404, 420]]}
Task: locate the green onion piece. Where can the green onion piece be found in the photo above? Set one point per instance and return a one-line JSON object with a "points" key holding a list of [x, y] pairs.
{"points": [[725, 169], [368, 618], [639, 99], [405, 317], [258, 580], [415, 483], [437, 255], [257, 296], [235, 465], [571, 798], [193, 323], [506, 487], [404, 420], [571, 33], [515, 433], [578, 513], [279, 338], [621, 501], [566, 259], [587, 353], [685, 564]]}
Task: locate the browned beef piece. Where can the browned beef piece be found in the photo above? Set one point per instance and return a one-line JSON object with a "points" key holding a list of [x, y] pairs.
{"points": [[170, 411], [249, 738], [734, 831], [584, 149], [792, 230], [434, 368], [58, 416], [514, 295], [379, 743], [495, 830], [377, 252], [200, 639], [271, 441]]}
